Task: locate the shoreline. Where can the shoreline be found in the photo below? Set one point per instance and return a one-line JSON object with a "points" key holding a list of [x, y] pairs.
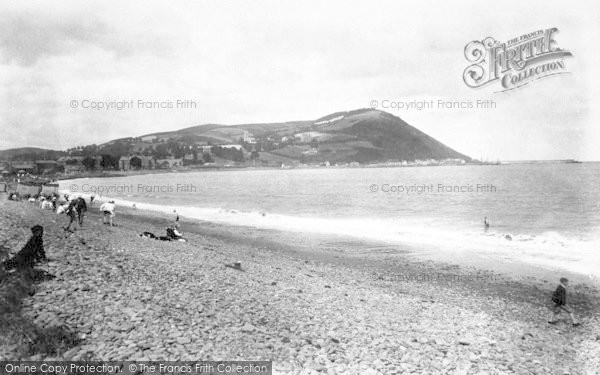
{"points": [[141, 172], [498, 262], [298, 303]]}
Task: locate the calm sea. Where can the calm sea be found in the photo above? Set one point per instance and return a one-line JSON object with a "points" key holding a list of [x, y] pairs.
{"points": [[547, 214]]}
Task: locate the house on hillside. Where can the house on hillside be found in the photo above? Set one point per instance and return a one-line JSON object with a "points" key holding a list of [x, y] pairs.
{"points": [[307, 137], [4, 167], [71, 164], [248, 138], [124, 163], [47, 166], [74, 164], [127, 163], [23, 167], [237, 147], [169, 163]]}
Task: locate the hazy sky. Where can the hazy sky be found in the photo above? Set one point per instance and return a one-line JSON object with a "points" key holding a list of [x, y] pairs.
{"points": [[268, 61]]}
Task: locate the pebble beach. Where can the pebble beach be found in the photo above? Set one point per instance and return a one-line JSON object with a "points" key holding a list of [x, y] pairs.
{"points": [[122, 297]]}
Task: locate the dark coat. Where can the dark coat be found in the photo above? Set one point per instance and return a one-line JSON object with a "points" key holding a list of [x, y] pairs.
{"points": [[560, 296], [77, 206]]}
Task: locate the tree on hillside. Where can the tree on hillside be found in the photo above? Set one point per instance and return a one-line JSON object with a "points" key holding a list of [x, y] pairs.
{"points": [[228, 153], [314, 143], [90, 150], [161, 151], [135, 162], [109, 161], [89, 163], [207, 158], [116, 149]]}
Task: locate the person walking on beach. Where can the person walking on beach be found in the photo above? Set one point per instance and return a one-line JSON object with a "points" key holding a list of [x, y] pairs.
{"points": [[486, 223], [92, 197], [559, 297], [108, 211], [76, 209]]}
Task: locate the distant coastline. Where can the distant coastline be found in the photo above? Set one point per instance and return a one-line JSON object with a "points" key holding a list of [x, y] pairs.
{"points": [[116, 173]]}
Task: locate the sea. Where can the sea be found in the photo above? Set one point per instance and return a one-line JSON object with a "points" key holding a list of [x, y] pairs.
{"points": [[544, 214]]}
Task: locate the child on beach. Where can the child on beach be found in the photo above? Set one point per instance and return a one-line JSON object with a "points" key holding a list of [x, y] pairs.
{"points": [[108, 211], [559, 298]]}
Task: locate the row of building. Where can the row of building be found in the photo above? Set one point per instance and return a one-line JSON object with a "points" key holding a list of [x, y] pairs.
{"points": [[75, 164]]}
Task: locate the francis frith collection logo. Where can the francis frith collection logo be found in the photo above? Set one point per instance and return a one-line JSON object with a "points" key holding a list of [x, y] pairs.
{"points": [[515, 63]]}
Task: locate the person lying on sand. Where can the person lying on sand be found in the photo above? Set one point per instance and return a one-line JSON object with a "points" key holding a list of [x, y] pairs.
{"points": [[32, 252], [559, 297], [149, 235], [172, 235]]}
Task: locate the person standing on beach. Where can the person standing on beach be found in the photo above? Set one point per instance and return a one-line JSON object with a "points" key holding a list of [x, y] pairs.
{"points": [[54, 202], [108, 211], [81, 210], [92, 197], [559, 297]]}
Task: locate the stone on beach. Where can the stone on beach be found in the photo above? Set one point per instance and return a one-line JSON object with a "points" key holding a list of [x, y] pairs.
{"points": [[138, 299]]}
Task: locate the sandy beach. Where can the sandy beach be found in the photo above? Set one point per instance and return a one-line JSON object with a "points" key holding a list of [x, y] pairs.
{"points": [[306, 307]]}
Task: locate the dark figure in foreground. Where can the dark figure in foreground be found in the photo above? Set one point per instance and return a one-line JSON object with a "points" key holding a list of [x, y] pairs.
{"points": [[559, 297], [32, 252], [77, 207]]}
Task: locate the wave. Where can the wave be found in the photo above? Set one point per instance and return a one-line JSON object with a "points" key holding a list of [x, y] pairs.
{"points": [[550, 249]]}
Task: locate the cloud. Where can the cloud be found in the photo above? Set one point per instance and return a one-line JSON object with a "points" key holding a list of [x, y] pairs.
{"points": [[247, 62], [28, 37]]}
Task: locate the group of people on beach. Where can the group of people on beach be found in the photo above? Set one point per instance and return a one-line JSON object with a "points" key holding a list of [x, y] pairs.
{"points": [[76, 208]]}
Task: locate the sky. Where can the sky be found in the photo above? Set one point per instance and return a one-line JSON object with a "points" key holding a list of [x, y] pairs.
{"points": [[235, 62]]}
